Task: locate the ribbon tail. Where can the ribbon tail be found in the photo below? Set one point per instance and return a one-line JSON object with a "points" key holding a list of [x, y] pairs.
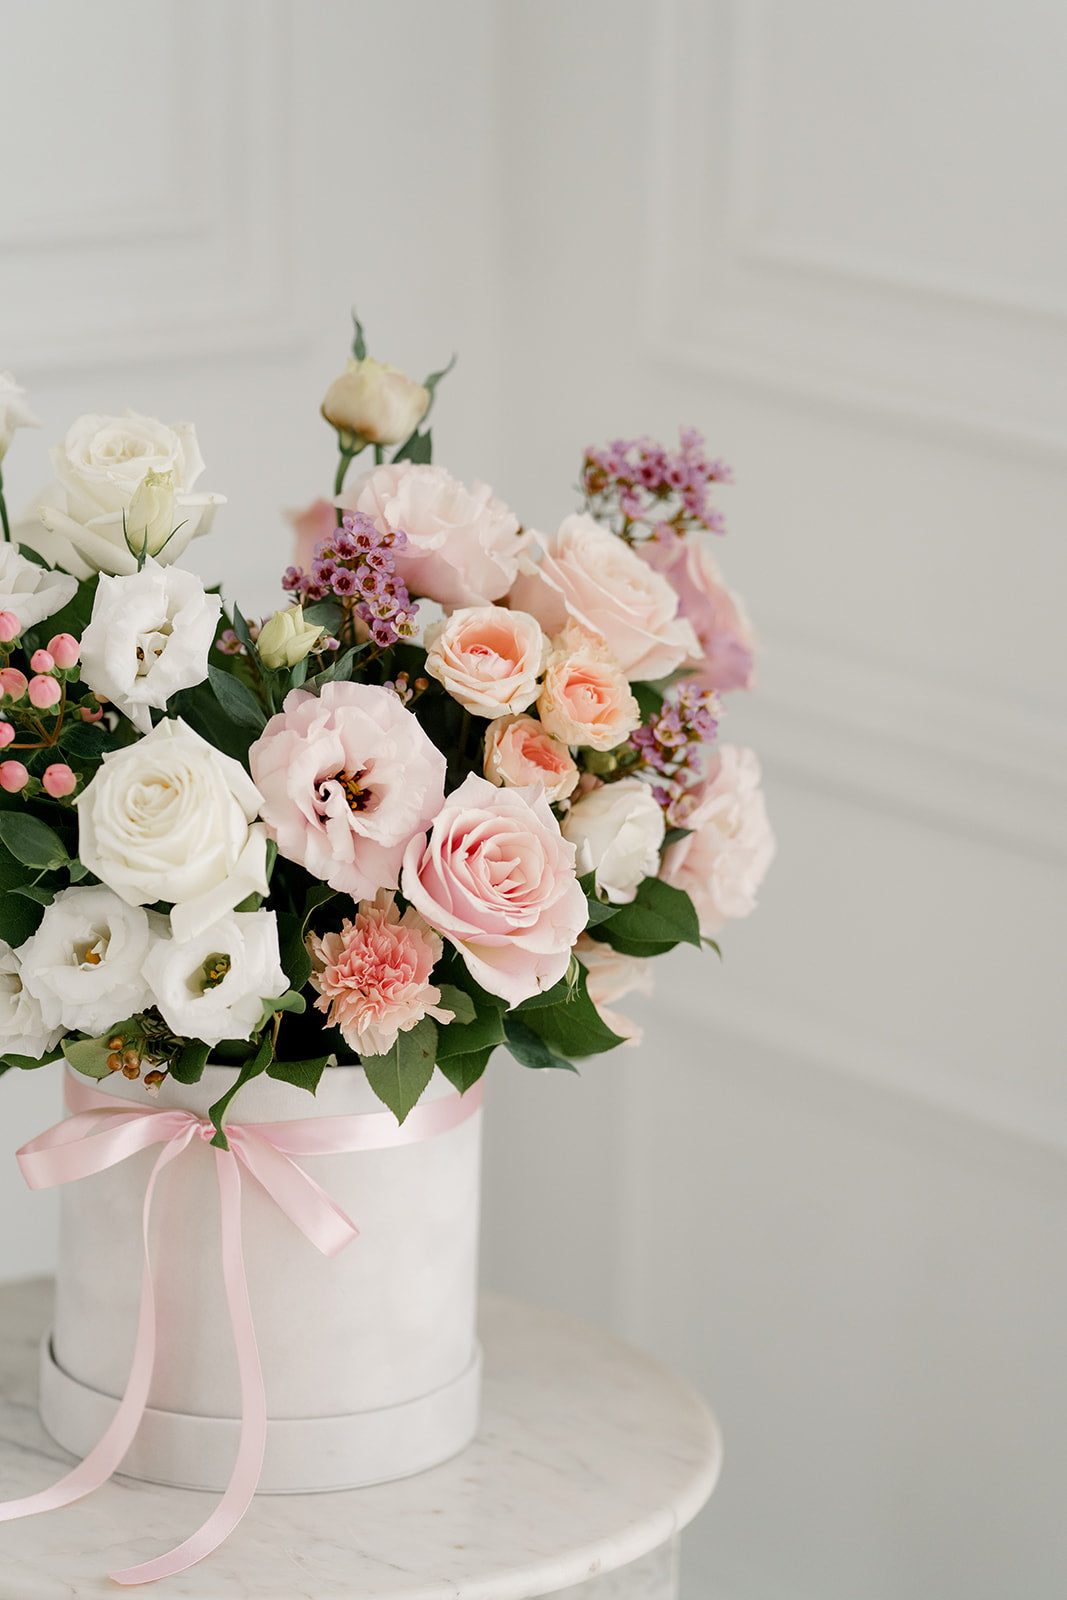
{"points": [[106, 1456], [249, 1463]]}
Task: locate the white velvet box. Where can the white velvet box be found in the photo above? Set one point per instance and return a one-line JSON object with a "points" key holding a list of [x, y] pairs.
{"points": [[370, 1359]]}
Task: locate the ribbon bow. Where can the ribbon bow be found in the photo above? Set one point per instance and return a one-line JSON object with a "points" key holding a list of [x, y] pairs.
{"points": [[100, 1134]]}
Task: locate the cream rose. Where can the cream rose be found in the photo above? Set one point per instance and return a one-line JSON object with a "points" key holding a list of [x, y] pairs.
{"points": [[375, 402], [85, 964], [488, 659], [170, 818], [286, 638], [618, 831], [586, 699], [590, 576], [519, 752], [723, 861], [214, 985], [31, 592], [77, 523], [14, 412], [148, 637]]}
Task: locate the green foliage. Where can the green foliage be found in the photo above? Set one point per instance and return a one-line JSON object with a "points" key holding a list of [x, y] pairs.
{"points": [[418, 447], [188, 1066], [32, 841], [599, 910], [649, 698], [296, 962], [301, 1074], [236, 699], [458, 1002], [251, 1069], [570, 1026], [399, 1077], [658, 918], [463, 1071], [27, 1063], [529, 1048]]}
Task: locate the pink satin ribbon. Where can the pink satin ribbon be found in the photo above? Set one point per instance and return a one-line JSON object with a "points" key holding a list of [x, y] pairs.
{"points": [[101, 1133]]}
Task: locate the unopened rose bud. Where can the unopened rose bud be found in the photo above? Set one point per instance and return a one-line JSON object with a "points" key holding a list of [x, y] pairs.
{"points": [[375, 402], [150, 514], [286, 638], [64, 650], [44, 693], [10, 627], [59, 780], [42, 661], [13, 776]]}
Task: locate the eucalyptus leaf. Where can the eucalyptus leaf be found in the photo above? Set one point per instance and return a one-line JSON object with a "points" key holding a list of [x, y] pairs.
{"points": [[236, 699], [28, 1063], [188, 1067]]}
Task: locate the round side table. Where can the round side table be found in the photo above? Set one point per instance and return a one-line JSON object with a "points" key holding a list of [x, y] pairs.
{"points": [[590, 1459]]}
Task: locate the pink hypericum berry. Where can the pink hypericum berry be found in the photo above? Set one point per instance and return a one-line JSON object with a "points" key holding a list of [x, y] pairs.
{"points": [[10, 627], [64, 650], [90, 716], [13, 776], [59, 780], [42, 661], [44, 693], [7, 733], [12, 682]]}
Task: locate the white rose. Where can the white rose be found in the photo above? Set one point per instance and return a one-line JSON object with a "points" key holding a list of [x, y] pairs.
{"points": [[149, 636], [14, 412], [30, 591], [77, 523], [376, 402], [723, 861], [85, 963], [488, 658], [23, 1029], [609, 975], [618, 830], [213, 985], [170, 818]]}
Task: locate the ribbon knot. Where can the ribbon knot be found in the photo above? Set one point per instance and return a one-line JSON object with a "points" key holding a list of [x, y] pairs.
{"points": [[100, 1134]]}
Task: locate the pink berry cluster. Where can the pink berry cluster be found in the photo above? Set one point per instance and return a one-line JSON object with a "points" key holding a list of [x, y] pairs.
{"points": [[645, 485], [28, 702], [356, 565], [673, 745]]}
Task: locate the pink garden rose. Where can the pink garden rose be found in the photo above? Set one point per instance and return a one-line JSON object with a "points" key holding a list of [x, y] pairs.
{"points": [[317, 521], [722, 863], [347, 777], [585, 699], [590, 576], [497, 879], [373, 977], [488, 658], [518, 752], [609, 975], [463, 545], [726, 640]]}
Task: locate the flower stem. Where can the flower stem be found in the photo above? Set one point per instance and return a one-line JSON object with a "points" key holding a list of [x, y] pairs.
{"points": [[3, 511]]}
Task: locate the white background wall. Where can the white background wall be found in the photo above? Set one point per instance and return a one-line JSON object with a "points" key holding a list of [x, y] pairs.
{"points": [[832, 1185]]}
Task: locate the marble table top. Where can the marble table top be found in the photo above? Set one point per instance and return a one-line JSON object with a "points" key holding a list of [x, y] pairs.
{"points": [[590, 1455]]}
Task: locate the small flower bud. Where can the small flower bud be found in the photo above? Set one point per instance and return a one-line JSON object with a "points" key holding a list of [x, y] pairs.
{"points": [[375, 402], [132, 1070], [44, 693], [7, 734], [64, 650], [13, 776], [59, 780], [150, 515], [12, 682], [286, 638], [10, 627], [42, 661]]}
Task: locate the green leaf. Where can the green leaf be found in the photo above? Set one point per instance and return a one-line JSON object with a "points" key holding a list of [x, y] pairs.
{"points": [[244, 632], [317, 897], [599, 910], [485, 1032], [458, 1002], [27, 1063], [674, 834], [649, 699], [251, 1069], [359, 343], [711, 944], [189, 1066], [301, 1074], [658, 918], [291, 1000], [574, 1027], [400, 1076], [325, 614], [418, 448], [340, 669], [28, 553], [464, 1071], [434, 379], [89, 1056], [236, 699], [31, 841], [39, 892], [530, 1049], [20, 914], [296, 962], [88, 741]]}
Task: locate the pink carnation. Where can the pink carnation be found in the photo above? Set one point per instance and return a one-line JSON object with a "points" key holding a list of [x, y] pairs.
{"points": [[347, 777], [373, 977], [722, 863], [718, 617]]}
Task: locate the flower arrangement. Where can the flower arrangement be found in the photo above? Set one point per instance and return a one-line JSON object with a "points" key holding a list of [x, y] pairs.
{"points": [[452, 797]]}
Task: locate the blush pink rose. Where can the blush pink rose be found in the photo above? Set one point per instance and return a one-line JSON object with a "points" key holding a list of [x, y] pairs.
{"points": [[609, 975], [496, 877], [585, 698], [518, 752], [488, 658], [347, 777], [373, 977], [722, 863], [317, 521], [588, 575], [463, 545], [724, 633]]}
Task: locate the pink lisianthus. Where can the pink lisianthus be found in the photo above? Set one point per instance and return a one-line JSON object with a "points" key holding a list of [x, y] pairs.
{"points": [[373, 977], [347, 777], [718, 616], [316, 521], [723, 861], [496, 877]]}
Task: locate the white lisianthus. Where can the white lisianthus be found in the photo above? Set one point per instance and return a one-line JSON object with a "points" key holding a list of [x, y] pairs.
{"points": [[618, 830], [77, 522], [149, 636], [170, 818], [85, 964], [30, 591], [22, 1027], [213, 986], [286, 638], [14, 412], [375, 402]]}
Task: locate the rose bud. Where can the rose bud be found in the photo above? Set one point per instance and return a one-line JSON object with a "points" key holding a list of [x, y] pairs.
{"points": [[44, 693], [42, 661], [286, 638], [10, 627], [376, 402], [59, 780], [64, 650], [13, 776], [12, 682], [150, 515]]}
